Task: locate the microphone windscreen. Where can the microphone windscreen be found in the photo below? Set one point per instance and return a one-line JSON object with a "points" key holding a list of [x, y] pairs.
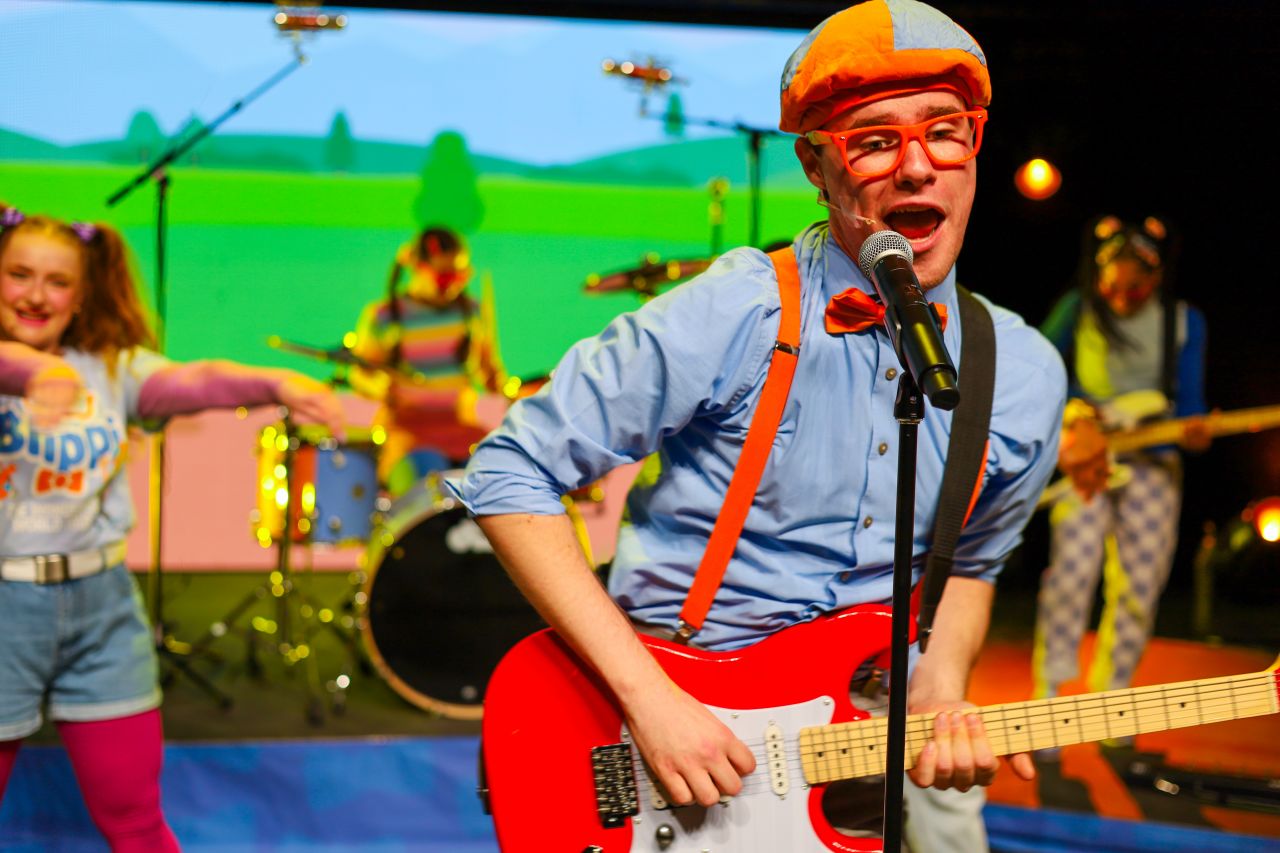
{"points": [[880, 244]]}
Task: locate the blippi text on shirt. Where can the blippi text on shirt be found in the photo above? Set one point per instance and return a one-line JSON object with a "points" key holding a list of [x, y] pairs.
{"points": [[51, 480]]}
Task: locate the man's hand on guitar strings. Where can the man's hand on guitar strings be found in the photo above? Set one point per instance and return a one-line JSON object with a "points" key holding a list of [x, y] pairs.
{"points": [[695, 757], [959, 755]]}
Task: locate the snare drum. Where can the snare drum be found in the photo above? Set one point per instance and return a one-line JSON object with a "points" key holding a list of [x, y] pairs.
{"points": [[335, 485], [440, 610]]}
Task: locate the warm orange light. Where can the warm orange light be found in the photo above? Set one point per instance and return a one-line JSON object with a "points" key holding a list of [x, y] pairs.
{"points": [[1266, 519], [1037, 179]]}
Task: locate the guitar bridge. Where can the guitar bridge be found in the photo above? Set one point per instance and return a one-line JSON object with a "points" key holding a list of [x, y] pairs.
{"points": [[615, 780]]}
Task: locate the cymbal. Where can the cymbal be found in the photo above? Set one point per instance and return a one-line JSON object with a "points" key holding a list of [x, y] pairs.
{"points": [[645, 278]]}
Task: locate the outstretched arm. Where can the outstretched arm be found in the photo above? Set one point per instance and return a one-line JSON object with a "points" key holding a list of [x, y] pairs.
{"points": [[178, 389], [49, 383]]}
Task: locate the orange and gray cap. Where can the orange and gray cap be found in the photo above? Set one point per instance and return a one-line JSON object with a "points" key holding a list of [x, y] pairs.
{"points": [[877, 50]]}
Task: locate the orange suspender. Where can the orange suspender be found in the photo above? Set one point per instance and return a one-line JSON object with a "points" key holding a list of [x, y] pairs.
{"points": [[755, 451]]}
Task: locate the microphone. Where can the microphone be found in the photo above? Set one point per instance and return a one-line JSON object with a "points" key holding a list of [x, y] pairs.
{"points": [[912, 324]]}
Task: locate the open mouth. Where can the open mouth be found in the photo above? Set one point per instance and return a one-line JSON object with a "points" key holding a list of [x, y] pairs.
{"points": [[32, 317], [914, 224]]}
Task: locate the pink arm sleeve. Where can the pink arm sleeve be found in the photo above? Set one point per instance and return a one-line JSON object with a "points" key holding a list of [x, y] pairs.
{"points": [[18, 364], [180, 389]]}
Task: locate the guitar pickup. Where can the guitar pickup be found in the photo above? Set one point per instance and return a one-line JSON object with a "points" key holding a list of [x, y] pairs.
{"points": [[775, 748], [613, 769]]}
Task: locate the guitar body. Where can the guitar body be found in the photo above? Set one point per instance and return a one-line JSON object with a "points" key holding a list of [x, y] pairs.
{"points": [[545, 712], [562, 776]]}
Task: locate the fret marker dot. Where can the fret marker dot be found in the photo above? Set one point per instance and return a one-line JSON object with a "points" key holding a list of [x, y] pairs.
{"points": [[1122, 713], [1017, 728], [1066, 720]]}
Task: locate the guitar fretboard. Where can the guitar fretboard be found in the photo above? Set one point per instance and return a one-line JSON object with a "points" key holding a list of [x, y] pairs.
{"points": [[1169, 432], [850, 750]]}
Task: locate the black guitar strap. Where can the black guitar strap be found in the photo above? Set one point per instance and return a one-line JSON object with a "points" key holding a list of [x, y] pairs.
{"points": [[966, 453]]}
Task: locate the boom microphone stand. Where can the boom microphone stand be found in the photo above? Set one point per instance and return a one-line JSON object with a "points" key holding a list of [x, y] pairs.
{"points": [[170, 650], [755, 137]]}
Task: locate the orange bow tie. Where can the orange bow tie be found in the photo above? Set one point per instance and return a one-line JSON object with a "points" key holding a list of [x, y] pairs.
{"points": [[854, 310]]}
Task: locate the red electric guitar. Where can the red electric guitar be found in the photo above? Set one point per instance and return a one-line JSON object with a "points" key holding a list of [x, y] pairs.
{"points": [[563, 777]]}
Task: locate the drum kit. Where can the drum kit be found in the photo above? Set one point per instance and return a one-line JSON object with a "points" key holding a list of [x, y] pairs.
{"points": [[431, 608]]}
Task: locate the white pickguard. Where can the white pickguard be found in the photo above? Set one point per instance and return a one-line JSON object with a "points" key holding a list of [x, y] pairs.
{"points": [[757, 820]]}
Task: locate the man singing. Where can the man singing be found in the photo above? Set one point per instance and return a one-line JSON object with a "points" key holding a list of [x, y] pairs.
{"points": [[888, 99]]}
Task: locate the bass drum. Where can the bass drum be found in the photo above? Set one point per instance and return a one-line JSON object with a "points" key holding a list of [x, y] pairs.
{"points": [[440, 612]]}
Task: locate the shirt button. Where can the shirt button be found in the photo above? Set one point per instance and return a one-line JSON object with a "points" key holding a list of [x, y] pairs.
{"points": [[883, 448], [866, 522], [890, 373]]}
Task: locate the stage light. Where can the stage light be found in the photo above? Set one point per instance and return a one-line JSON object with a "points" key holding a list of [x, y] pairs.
{"points": [[1037, 179], [307, 19], [1266, 518]]}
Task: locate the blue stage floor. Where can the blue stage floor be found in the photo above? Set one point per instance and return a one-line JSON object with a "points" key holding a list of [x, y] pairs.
{"points": [[418, 794]]}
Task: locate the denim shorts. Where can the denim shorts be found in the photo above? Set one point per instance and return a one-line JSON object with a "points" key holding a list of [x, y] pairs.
{"points": [[83, 646]]}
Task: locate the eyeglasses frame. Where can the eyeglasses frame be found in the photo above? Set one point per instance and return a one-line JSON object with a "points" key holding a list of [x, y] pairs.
{"points": [[840, 139]]}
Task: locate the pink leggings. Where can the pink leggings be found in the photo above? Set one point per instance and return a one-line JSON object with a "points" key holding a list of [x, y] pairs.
{"points": [[117, 763]]}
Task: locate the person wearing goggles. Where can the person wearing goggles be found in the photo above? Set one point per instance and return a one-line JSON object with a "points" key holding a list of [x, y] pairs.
{"points": [[1111, 329], [433, 353]]}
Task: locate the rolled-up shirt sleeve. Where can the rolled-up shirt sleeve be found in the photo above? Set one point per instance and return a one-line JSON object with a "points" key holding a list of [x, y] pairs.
{"points": [[613, 398]]}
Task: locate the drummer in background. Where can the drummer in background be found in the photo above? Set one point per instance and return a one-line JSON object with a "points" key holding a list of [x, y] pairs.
{"points": [[437, 354], [74, 639]]}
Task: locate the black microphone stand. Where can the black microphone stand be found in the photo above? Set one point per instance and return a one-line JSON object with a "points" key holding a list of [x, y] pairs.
{"points": [[169, 649], [908, 410], [755, 143]]}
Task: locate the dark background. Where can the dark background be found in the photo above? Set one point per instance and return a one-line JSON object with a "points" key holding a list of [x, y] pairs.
{"points": [[1146, 107]]}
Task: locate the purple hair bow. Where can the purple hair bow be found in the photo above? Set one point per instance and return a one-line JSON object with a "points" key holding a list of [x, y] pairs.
{"points": [[86, 231], [11, 217]]}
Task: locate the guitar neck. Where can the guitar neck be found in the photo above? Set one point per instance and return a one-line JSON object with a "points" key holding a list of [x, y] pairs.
{"points": [[1169, 432], [850, 750]]}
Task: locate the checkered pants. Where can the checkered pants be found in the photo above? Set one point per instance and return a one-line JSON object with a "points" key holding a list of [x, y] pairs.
{"points": [[1135, 527]]}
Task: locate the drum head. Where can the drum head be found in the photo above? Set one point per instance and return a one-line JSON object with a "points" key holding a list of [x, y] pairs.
{"points": [[441, 611]]}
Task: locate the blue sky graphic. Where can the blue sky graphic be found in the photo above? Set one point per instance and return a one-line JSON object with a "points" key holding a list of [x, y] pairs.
{"points": [[529, 89]]}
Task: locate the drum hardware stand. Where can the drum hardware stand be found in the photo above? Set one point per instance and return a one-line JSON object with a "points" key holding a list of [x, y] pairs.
{"points": [[289, 633], [175, 656]]}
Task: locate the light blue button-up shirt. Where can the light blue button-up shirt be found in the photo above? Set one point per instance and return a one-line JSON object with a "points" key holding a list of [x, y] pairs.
{"points": [[681, 376]]}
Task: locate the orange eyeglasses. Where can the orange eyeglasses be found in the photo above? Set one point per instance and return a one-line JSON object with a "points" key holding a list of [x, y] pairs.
{"points": [[873, 152]]}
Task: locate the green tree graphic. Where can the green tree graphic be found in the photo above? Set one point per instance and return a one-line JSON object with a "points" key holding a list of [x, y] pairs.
{"points": [[339, 146], [673, 118], [449, 194], [143, 139]]}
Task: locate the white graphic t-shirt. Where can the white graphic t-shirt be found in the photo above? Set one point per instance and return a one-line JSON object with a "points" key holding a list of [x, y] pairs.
{"points": [[65, 490]]}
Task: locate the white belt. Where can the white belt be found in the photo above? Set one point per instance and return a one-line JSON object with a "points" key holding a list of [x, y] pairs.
{"points": [[58, 568]]}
